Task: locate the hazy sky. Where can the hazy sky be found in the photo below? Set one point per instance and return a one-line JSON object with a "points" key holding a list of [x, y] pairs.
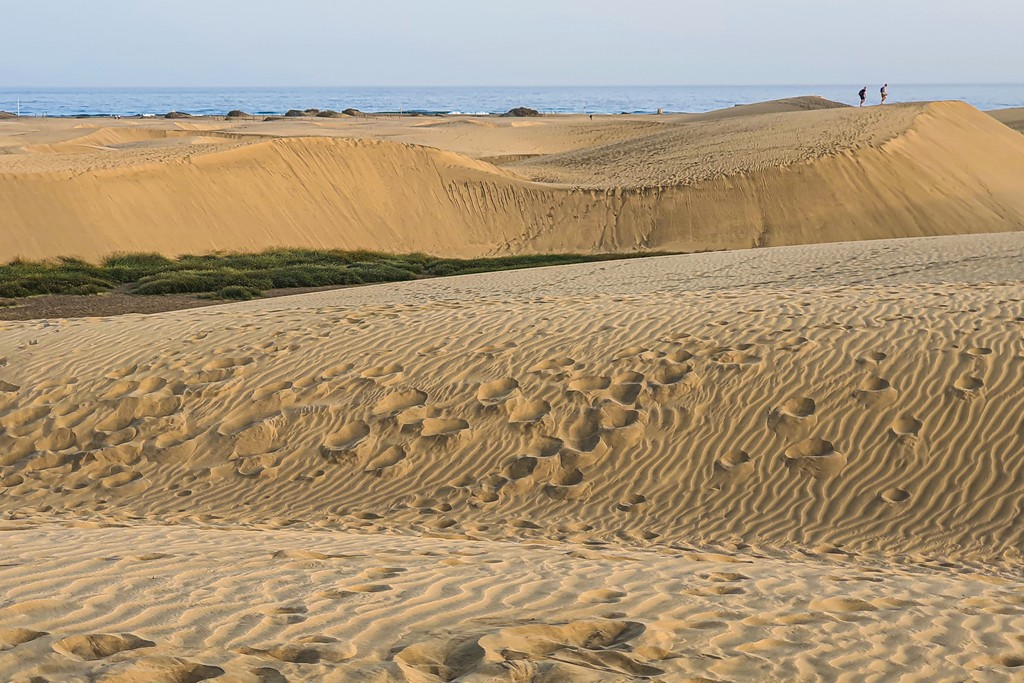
{"points": [[508, 42]]}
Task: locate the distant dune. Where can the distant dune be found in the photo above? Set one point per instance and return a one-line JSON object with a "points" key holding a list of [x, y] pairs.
{"points": [[1014, 118], [789, 172]]}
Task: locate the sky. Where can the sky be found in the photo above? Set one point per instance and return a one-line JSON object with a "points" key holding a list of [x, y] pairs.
{"points": [[250, 43]]}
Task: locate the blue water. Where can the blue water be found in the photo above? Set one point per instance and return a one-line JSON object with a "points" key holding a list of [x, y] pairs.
{"points": [[477, 100]]}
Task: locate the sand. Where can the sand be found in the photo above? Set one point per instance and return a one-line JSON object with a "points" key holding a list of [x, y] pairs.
{"points": [[1012, 117], [800, 462], [793, 463], [797, 171]]}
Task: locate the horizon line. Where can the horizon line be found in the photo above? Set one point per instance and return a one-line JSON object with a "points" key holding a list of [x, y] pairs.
{"points": [[326, 87]]}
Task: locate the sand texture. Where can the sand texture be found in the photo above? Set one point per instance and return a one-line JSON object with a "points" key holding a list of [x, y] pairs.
{"points": [[797, 463], [797, 171]]}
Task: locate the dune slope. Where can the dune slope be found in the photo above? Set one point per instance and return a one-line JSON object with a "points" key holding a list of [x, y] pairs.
{"points": [[754, 180], [842, 399]]}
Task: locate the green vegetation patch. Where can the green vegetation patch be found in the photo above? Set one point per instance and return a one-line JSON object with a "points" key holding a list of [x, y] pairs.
{"points": [[246, 275]]}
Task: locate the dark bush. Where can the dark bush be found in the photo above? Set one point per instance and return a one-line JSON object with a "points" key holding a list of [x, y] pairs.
{"points": [[196, 281], [311, 276], [380, 272], [133, 267], [238, 293], [522, 111]]}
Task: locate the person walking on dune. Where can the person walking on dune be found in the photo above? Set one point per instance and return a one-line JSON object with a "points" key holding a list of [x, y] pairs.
{"points": [[863, 95], [885, 92]]}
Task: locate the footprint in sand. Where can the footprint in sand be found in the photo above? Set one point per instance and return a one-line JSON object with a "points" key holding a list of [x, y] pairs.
{"points": [[274, 390], [968, 387], [872, 357], [567, 484], [391, 462], [794, 419], [13, 637], [557, 364], [608, 646], [59, 439], [629, 352], [602, 595], [815, 458], [626, 387], [497, 392], [341, 442], [842, 605], [875, 392], [589, 384], [384, 572], [285, 614], [671, 373], [622, 427], [520, 467], [99, 646], [162, 669], [306, 650], [526, 412], [895, 495], [400, 401], [220, 369], [731, 468], [544, 446], [381, 373], [1014, 661], [442, 426], [250, 437], [906, 427], [629, 502], [369, 588]]}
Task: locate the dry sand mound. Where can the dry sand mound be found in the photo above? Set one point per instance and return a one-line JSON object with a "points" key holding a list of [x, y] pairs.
{"points": [[752, 180], [794, 464], [786, 105]]}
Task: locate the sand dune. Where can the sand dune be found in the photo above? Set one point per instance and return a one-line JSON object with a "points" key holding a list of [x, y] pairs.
{"points": [[793, 463], [1014, 117], [773, 175]]}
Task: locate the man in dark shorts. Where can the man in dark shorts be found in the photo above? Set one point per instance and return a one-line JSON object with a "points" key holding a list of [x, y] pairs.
{"points": [[885, 92], [863, 95]]}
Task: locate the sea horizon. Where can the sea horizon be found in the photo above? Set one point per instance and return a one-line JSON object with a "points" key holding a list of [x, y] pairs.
{"points": [[462, 99]]}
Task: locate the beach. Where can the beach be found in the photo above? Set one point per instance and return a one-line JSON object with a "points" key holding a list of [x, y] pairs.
{"points": [[792, 451]]}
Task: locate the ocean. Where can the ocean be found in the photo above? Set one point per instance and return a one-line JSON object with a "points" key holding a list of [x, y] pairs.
{"points": [[469, 100]]}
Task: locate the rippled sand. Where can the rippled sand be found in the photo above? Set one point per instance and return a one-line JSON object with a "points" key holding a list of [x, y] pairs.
{"points": [[784, 464]]}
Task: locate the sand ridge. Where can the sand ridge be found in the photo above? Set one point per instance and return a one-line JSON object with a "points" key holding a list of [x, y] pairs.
{"points": [[765, 177]]}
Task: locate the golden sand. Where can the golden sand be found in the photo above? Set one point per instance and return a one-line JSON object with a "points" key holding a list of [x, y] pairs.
{"points": [[799, 172], [788, 463], [794, 463]]}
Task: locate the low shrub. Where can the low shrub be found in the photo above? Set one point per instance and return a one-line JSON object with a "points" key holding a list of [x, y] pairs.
{"points": [[238, 293], [241, 274]]}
